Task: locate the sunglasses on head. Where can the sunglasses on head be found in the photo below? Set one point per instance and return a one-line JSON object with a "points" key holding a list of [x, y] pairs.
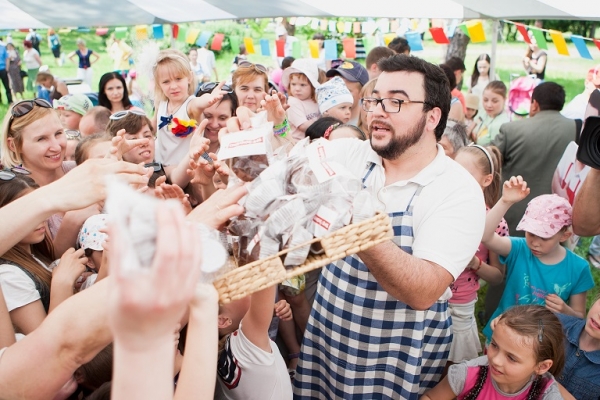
{"points": [[122, 114], [8, 174], [257, 67], [25, 106], [209, 86], [72, 134]]}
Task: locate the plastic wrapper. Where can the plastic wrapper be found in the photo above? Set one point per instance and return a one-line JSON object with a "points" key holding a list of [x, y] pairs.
{"points": [[363, 207], [134, 214], [297, 256]]}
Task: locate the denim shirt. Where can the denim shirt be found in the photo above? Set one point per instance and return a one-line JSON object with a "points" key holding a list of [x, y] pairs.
{"points": [[581, 375]]}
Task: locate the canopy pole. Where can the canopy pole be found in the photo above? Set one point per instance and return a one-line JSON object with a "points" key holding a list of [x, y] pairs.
{"points": [[495, 30]]}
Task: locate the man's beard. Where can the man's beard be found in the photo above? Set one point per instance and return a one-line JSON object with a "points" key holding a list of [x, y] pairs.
{"points": [[399, 144]]}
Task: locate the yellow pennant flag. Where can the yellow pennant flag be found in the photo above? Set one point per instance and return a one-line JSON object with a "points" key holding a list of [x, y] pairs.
{"points": [[249, 45], [141, 32], [388, 37], [476, 32], [559, 42], [340, 26], [313, 46], [192, 35]]}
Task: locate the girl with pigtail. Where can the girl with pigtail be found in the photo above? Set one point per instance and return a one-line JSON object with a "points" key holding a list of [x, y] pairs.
{"points": [[525, 353], [484, 164]]}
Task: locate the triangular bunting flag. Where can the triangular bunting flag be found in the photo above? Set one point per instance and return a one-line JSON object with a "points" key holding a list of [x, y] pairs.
{"points": [[330, 49], [296, 50], [313, 46], [203, 39], [234, 42], [539, 38], [249, 43], [264, 47], [175, 31], [158, 31], [523, 31], [121, 32], [476, 32], [192, 35], [141, 32], [280, 45], [414, 41]]}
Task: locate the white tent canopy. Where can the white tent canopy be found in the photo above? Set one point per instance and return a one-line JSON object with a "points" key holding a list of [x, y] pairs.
{"points": [[17, 14]]}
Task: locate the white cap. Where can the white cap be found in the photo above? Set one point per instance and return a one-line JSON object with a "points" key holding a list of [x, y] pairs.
{"points": [[304, 66]]}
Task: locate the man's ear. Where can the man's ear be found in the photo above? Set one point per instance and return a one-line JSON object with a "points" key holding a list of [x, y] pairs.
{"points": [[543, 367], [535, 107]]}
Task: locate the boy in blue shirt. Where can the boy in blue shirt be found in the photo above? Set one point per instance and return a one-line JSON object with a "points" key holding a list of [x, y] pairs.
{"points": [[538, 269]]}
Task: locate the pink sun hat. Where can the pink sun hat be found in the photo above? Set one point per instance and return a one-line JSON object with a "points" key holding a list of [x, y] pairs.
{"points": [[546, 215]]}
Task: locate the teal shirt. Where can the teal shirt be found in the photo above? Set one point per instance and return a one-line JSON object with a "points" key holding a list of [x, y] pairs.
{"points": [[529, 281], [490, 127]]}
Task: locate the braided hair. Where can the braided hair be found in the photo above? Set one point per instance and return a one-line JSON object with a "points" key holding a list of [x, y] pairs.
{"points": [[481, 378]]}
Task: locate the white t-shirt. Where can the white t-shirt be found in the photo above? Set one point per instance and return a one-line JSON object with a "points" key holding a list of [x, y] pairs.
{"points": [[448, 216], [206, 59], [170, 149], [18, 288], [252, 373], [299, 112], [29, 59]]}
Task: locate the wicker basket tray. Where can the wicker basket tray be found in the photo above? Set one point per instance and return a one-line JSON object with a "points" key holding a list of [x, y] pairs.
{"points": [[260, 274]]}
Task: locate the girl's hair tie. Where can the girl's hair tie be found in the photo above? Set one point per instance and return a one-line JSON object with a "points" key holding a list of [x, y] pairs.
{"points": [[487, 154], [330, 129]]}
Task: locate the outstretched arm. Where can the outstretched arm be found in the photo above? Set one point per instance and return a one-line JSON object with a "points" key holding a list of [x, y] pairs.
{"points": [[514, 190], [255, 324]]}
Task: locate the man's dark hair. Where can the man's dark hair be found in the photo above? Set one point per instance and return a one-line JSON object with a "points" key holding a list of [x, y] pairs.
{"points": [[549, 95], [456, 64], [378, 53], [435, 84], [399, 45]]}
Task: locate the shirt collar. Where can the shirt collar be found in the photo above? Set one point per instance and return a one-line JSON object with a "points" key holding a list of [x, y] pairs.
{"points": [[427, 174], [573, 334]]}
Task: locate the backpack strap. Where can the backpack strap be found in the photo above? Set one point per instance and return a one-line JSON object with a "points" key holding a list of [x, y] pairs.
{"points": [[41, 287]]}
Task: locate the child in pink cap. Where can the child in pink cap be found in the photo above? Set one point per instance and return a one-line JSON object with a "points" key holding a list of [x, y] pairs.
{"points": [[538, 269]]}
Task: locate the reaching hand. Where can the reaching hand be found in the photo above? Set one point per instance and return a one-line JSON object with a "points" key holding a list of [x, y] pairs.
{"points": [[200, 170], [165, 191], [283, 310], [199, 144], [515, 189], [145, 308], [69, 269], [219, 207], [120, 145], [275, 108], [207, 100]]}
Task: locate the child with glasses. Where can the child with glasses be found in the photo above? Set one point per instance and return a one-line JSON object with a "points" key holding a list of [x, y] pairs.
{"points": [[301, 81]]}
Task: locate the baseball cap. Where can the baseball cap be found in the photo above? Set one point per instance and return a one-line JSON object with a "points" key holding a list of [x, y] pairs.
{"points": [[78, 103], [350, 70], [304, 66], [546, 215]]}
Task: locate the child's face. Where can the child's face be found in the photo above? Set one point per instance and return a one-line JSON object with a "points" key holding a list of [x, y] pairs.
{"points": [[471, 112], [592, 325], [173, 85], [343, 133], [144, 153], [69, 119], [300, 87], [541, 247], [343, 112], [493, 103], [511, 358], [70, 150]]}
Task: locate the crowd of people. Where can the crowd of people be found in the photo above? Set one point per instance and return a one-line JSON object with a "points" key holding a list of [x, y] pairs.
{"points": [[474, 194]]}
